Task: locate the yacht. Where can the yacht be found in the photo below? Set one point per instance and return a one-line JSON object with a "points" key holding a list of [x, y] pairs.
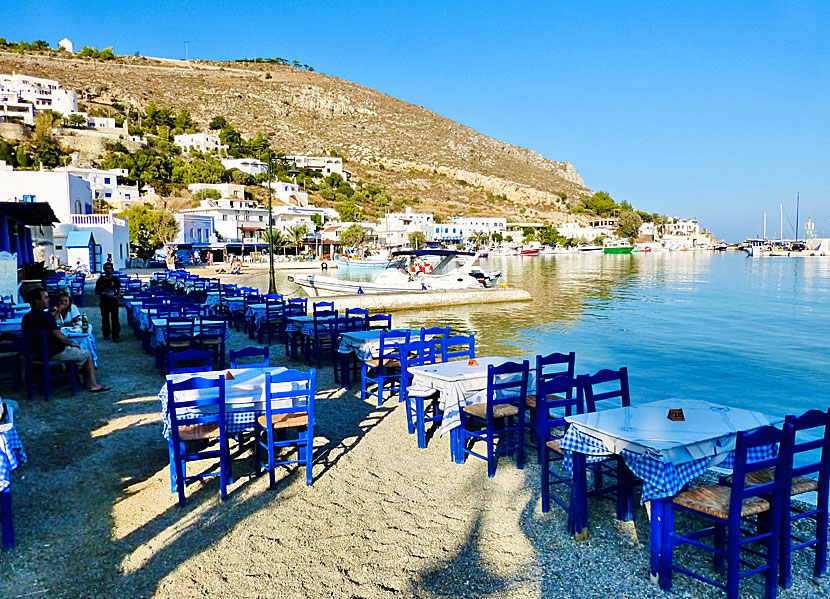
{"points": [[410, 270]]}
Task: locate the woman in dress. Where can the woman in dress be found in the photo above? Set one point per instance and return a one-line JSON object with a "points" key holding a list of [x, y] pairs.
{"points": [[66, 313]]}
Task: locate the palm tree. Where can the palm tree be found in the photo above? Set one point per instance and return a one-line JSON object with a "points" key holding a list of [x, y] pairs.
{"points": [[297, 234], [275, 239]]}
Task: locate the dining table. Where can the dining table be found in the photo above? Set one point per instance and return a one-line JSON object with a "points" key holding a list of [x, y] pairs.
{"points": [[244, 397], [12, 456], [666, 443], [364, 345], [461, 383], [158, 329]]}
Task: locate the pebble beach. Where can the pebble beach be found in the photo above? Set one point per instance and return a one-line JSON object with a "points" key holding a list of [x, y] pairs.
{"points": [[94, 515]]}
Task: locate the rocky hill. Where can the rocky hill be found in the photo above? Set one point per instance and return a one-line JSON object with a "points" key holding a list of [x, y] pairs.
{"points": [[412, 151]]}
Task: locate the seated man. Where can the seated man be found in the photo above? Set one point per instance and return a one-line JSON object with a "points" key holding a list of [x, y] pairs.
{"points": [[60, 346]]}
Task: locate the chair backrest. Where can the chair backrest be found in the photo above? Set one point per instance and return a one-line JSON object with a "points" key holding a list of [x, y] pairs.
{"points": [[554, 365], [191, 360], [379, 322], [758, 440], [251, 352], [35, 346], [557, 397], [391, 343], [436, 336], [322, 307], [417, 353], [606, 385], [292, 387], [179, 328], [202, 406], [212, 326], [458, 347], [190, 310], [323, 320], [291, 310], [300, 301], [814, 443], [507, 384], [358, 314]]}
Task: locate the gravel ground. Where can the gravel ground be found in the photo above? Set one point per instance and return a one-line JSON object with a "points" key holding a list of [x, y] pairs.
{"points": [[95, 517]]}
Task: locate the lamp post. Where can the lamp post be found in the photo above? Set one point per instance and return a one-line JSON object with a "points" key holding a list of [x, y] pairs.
{"points": [[272, 283]]}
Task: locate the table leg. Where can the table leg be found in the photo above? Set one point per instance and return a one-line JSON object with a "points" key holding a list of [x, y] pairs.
{"points": [[346, 374], [656, 542], [578, 520], [456, 447], [625, 491], [8, 525]]}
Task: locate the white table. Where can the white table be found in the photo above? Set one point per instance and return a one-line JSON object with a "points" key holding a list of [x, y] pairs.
{"points": [[665, 453]]}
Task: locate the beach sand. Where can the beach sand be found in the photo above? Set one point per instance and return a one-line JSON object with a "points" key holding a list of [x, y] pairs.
{"points": [[95, 517]]}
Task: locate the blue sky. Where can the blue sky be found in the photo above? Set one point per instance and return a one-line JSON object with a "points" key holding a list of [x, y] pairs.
{"points": [[714, 110]]}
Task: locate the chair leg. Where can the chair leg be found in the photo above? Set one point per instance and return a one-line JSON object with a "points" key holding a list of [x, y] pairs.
{"points": [[733, 565], [520, 443], [309, 455], [421, 422], [172, 467], [720, 545], [491, 455], [180, 482], [820, 567], [271, 459], [543, 460], [662, 513], [7, 520]]}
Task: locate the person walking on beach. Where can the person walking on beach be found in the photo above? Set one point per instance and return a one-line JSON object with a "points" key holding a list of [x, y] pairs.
{"points": [[60, 346], [109, 288]]}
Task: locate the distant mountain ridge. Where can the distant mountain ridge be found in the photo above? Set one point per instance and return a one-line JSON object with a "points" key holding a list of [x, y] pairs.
{"points": [[412, 151]]}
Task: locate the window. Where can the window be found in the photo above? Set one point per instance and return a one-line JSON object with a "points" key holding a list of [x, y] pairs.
{"points": [[121, 250], [107, 194], [106, 180]]}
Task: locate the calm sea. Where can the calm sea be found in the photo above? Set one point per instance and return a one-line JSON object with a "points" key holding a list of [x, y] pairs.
{"points": [[717, 326]]}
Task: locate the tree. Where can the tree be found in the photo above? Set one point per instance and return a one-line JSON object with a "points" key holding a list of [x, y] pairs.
{"points": [[75, 121], [348, 211], [297, 233], [150, 229], [45, 123], [601, 203], [353, 236], [184, 122], [417, 240], [106, 54], [497, 237], [207, 194], [217, 122], [275, 239], [629, 224]]}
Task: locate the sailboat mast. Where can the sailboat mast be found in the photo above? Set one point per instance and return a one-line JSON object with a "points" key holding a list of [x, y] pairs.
{"points": [[797, 200], [781, 221], [765, 225]]}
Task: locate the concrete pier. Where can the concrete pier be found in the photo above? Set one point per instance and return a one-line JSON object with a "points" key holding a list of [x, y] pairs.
{"points": [[390, 302]]}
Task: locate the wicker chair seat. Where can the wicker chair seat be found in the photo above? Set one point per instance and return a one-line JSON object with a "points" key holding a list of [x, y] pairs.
{"points": [[284, 420], [479, 410], [714, 501], [198, 432], [800, 484]]}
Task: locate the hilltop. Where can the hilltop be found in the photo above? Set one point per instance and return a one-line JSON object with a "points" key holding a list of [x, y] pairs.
{"points": [[411, 151]]}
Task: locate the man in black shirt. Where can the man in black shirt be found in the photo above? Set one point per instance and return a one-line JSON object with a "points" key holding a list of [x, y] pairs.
{"points": [[109, 288], [59, 346]]}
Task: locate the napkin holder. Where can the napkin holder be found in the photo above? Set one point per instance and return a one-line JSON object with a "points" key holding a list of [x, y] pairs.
{"points": [[472, 362], [676, 415], [229, 376]]}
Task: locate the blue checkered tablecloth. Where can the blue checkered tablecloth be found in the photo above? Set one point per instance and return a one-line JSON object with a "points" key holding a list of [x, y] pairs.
{"points": [[158, 334], [304, 324], [237, 420], [258, 312], [85, 340], [661, 478], [12, 455]]}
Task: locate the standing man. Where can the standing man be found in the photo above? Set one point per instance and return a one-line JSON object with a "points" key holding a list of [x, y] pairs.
{"points": [[60, 346], [109, 288]]}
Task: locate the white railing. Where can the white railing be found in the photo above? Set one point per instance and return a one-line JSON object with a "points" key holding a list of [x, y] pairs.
{"points": [[91, 219]]}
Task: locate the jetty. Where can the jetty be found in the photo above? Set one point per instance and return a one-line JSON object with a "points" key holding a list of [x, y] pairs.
{"points": [[392, 302]]}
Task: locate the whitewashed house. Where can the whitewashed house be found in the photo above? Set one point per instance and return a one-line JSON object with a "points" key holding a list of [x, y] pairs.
{"points": [[394, 228], [16, 91], [462, 229], [203, 142], [252, 166], [326, 165], [67, 45]]}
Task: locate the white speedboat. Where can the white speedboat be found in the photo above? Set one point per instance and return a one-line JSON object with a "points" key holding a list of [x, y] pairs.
{"points": [[453, 270], [587, 247], [375, 259]]}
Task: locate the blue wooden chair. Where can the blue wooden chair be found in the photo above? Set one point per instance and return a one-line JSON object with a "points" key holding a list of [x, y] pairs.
{"points": [[11, 350], [322, 307], [605, 390], [548, 367], [178, 336], [421, 404], [211, 337], [251, 352], [436, 335], [387, 367], [197, 416], [458, 347], [321, 341], [360, 314], [189, 361], [270, 323], [337, 327], [556, 397], [379, 322], [297, 389], [726, 507], [500, 418], [6, 518], [289, 338], [44, 372]]}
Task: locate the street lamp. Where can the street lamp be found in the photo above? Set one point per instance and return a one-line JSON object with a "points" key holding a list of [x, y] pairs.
{"points": [[272, 283]]}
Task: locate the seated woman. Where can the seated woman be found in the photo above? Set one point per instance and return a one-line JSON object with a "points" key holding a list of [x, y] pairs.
{"points": [[236, 268], [66, 313]]}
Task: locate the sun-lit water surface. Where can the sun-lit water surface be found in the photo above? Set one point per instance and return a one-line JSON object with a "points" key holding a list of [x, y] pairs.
{"points": [[724, 327]]}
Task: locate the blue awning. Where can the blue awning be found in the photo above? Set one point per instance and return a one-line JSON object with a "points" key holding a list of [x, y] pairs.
{"points": [[79, 239]]}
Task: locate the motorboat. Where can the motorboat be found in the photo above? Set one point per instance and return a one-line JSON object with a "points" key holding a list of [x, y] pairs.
{"points": [[375, 259], [587, 247], [619, 246], [410, 270]]}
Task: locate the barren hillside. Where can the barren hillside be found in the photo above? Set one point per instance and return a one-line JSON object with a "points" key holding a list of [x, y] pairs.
{"points": [[410, 150]]}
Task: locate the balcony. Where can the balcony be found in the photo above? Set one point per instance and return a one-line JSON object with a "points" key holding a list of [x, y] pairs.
{"points": [[98, 220]]}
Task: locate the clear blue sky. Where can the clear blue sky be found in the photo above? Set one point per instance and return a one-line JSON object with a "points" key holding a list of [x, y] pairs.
{"points": [[714, 110]]}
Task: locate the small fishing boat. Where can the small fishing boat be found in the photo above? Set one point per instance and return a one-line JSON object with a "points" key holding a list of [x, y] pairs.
{"points": [[619, 246], [587, 247]]}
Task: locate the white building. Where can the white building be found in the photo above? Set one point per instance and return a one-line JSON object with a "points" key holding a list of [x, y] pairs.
{"points": [[394, 228], [252, 166], [104, 183], [648, 230], [681, 226], [100, 122], [43, 94], [574, 230], [204, 142], [461, 229], [67, 45], [288, 194], [195, 229], [324, 164], [227, 191], [71, 200]]}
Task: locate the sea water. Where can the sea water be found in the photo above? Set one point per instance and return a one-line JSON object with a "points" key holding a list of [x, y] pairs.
{"points": [[724, 327]]}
